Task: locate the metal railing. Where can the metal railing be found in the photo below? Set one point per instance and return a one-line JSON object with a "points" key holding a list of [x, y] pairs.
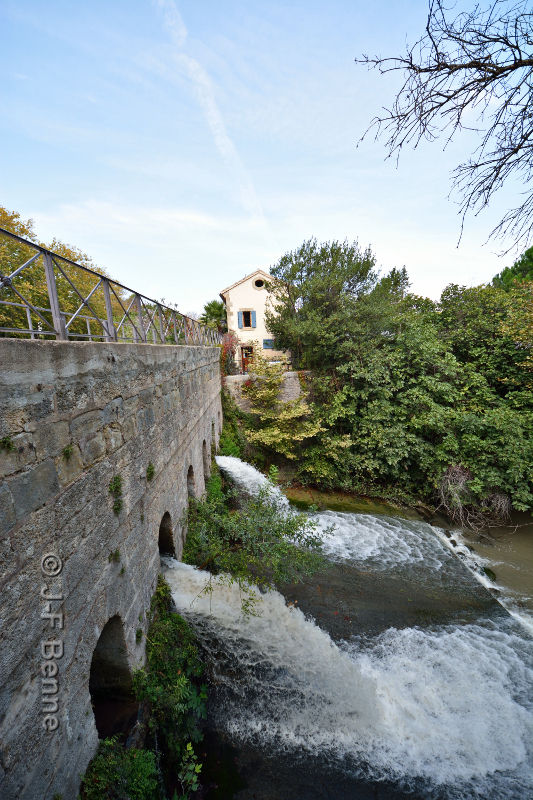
{"points": [[46, 295]]}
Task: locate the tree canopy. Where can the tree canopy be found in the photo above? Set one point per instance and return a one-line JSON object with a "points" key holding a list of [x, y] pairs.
{"points": [[408, 396], [214, 316], [32, 281]]}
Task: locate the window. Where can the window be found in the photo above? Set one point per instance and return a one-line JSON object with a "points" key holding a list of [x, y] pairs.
{"points": [[259, 283], [268, 344], [247, 319]]}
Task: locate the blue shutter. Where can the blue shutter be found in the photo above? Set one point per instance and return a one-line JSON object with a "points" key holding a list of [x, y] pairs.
{"points": [[253, 319], [239, 315]]}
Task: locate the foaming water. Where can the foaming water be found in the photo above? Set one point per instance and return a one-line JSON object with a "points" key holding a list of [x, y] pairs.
{"points": [[445, 707], [250, 480], [382, 541]]}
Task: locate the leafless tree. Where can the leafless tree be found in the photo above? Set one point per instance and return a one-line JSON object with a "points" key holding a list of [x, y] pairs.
{"points": [[471, 70]]}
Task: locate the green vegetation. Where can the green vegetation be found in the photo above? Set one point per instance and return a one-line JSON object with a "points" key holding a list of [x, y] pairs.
{"points": [[522, 270], [255, 545], [31, 283], [150, 471], [67, 452], [115, 489], [281, 427], [232, 440], [6, 443], [408, 398], [214, 316], [114, 557], [117, 773], [169, 684]]}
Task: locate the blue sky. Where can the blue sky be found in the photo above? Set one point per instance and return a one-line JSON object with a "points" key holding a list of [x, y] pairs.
{"points": [[184, 144]]}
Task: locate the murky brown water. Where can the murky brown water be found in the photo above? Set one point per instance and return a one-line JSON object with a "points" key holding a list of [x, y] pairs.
{"points": [[508, 552]]}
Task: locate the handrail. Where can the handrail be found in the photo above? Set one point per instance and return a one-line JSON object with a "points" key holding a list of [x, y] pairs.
{"points": [[121, 318]]}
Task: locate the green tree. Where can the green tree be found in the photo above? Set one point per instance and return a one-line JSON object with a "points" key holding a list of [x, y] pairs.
{"points": [[474, 322], [315, 290], [410, 394], [522, 270], [281, 427], [257, 545], [31, 283], [214, 315]]}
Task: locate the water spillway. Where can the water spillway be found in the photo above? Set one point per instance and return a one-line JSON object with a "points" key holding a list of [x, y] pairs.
{"points": [[324, 697]]}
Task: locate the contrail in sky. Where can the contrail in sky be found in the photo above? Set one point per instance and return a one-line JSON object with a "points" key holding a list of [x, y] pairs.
{"points": [[206, 96]]}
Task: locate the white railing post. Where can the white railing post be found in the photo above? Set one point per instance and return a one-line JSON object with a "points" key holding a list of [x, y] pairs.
{"points": [[161, 323], [140, 325], [110, 333], [57, 318], [174, 327]]}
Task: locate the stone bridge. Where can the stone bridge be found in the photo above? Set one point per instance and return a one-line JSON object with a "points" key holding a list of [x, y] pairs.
{"points": [[79, 562]]}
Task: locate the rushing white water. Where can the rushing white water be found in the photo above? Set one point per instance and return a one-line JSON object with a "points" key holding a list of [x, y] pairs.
{"points": [[249, 479], [388, 542], [443, 711], [447, 705], [384, 541]]}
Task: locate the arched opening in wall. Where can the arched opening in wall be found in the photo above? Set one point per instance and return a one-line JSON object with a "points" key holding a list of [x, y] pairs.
{"points": [[207, 464], [213, 439], [219, 423], [114, 706], [166, 539], [191, 483]]}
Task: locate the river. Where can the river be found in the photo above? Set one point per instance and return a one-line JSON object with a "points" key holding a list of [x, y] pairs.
{"points": [[393, 673]]}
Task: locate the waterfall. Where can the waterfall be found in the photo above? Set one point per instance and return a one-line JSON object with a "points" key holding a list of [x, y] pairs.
{"points": [[441, 710]]}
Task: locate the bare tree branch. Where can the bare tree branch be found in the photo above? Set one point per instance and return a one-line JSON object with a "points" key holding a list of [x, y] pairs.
{"points": [[472, 72]]}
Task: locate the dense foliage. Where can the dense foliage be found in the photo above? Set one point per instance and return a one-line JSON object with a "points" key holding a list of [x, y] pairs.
{"points": [[408, 395], [175, 701], [170, 685], [283, 427], [117, 773], [214, 316], [257, 544]]}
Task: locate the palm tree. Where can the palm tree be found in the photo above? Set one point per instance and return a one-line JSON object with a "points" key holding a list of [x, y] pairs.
{"points": [[214, 315]]}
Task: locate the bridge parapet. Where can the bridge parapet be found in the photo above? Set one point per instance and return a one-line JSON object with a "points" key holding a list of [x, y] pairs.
{"points": [[44, 295]]}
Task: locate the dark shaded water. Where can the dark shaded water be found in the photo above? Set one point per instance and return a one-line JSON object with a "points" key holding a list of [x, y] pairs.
{"points": [[392, 674]]}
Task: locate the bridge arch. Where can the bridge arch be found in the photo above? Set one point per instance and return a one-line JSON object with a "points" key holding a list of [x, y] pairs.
{"points": [[191, 483], [110, 682], [166, 537], [206, 461]]}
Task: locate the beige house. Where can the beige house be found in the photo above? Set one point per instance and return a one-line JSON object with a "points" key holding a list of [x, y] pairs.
{"points": [[246, 302]]}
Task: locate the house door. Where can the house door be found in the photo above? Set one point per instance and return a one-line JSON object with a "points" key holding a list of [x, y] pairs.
{"points": [[247, 356]]}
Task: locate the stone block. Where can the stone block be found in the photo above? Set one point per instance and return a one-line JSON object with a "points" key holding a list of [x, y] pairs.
{"points": [[85, 426], [113, 438], [50, 438], [7, 509], [21, 454], [93, 449], [68, 469], [31, 489], [113, 411]]}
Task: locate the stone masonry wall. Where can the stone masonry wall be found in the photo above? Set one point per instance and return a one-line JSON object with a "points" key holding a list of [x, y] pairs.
{"points": [[72, 416], [290, 388]]}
